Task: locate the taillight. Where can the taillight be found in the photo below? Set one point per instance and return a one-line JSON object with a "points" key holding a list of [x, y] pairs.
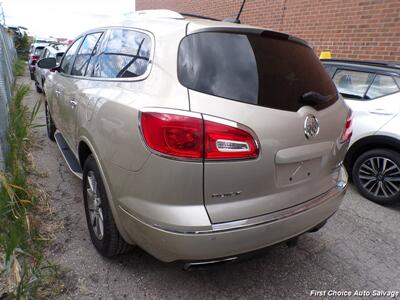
{"points": [[35, 58], [174, 135], [228, 142], [348, 129], [189, 136]]}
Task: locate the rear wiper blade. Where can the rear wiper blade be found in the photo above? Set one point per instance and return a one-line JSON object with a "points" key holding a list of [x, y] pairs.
{"points": [[315, 98], [345, 95]]}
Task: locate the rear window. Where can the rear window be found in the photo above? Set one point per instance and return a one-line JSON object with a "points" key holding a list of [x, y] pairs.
{"points": [[255, 69]]}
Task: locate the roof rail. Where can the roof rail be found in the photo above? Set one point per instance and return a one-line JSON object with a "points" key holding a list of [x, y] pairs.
{"points": [[159, 13]]}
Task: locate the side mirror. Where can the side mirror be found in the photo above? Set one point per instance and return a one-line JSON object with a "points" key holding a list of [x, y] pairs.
{"points": [[47, 63]]}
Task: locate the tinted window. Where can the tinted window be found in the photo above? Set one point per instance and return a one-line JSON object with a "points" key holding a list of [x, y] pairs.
{"points": [[353, 84], [69, 56], [382, 86], [85, 53], [59, 57], [126, 54], [255, 69]]}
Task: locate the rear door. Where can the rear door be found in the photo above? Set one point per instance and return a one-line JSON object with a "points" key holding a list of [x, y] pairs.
{"points": [[64, 90], [261, 80]]}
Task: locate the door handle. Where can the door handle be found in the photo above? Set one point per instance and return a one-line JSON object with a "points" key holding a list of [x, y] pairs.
{"points": [[73, 103], [58, 93]]}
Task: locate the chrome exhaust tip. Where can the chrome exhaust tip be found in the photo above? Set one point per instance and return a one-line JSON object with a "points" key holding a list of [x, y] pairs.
{"points": [[198, 265]]}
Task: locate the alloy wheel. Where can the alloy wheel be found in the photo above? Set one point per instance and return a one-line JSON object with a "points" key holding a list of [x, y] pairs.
{"points": [[95, 206], [380, 177]]}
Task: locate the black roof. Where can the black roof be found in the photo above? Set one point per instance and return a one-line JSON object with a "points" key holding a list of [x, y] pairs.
{"points": [[371, 63]]}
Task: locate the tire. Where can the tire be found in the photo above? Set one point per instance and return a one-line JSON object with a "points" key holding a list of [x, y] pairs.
{"points": [[104, 234], [50, 126], [376, 174]]}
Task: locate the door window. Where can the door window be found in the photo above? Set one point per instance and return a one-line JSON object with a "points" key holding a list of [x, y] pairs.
{"points": [[383, 85], [69, 56], [125, 55], [85, 54], [353, 84]]}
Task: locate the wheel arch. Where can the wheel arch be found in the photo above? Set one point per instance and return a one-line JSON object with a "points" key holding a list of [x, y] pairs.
{"points": [[85, 148], [369, 143]]}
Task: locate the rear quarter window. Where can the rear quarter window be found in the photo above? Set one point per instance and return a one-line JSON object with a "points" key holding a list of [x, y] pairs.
{"points": [[382, 85], [126, 54], [252, 68]]}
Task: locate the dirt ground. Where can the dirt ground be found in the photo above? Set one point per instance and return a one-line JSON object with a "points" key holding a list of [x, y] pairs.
{"points": [[359, 249]]}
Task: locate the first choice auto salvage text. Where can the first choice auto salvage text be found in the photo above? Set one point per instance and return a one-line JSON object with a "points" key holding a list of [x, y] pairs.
{"points": [[355, 293]]}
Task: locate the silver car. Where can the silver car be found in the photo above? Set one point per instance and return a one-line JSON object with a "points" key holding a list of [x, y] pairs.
{"points": [[198, 140], [372, 91], [52, 50]]}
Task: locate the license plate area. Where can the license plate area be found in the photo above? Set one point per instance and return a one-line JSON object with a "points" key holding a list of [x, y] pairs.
{"points": [[293, 173]]}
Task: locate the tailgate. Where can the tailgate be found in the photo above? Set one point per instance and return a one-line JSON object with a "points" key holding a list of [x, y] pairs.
{"points": [[262, 80]]}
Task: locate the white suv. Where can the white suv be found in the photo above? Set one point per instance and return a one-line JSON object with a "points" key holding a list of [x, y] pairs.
{"points": [[372, 91]]}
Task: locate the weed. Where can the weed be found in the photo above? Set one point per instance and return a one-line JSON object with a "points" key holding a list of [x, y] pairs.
{"points": [[21, 242], [19, 67]]}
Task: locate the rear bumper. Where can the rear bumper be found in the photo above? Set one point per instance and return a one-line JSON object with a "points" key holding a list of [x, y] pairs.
{"points": [[235, 238]]}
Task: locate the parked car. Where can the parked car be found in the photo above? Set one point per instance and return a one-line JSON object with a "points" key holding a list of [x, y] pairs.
{"points": [[35, 51], [52, 50], [372, 90], [198, 140]]}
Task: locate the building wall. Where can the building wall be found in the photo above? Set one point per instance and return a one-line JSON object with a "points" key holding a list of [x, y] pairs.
{"points": [[357, 29]]}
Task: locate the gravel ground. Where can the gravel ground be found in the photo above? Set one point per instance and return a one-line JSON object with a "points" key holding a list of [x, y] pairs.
{"points": [[359, 249]]}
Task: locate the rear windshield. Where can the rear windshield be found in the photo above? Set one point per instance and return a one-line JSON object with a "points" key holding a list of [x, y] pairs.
{"points": [[255, 69]]}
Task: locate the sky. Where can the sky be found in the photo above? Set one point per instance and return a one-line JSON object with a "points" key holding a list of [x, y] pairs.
{"points": [[63, 18]]}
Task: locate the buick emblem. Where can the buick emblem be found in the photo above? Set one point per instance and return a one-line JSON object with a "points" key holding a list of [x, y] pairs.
{"points": [[311, 126]]}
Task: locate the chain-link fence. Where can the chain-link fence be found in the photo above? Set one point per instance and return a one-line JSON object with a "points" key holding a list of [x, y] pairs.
{"points": [[8, 55]]}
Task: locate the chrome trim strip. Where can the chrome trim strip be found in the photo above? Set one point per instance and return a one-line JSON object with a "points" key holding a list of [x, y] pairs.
{"points": [[279, 215], [170, 111], [339, 189]]}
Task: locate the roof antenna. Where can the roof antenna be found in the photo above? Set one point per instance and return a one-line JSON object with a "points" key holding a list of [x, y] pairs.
{"points": [[237, 20]]}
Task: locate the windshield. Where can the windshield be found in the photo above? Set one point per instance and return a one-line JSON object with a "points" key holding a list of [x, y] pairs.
{"points": [[255, 69]]}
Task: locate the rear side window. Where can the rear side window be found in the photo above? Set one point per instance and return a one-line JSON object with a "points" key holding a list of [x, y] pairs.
{"points": [[381, 86], [45, 53], [38, 51], [59, 57], [125, 55], [255, 69], [85, 54], [69, 56], [353, 84]]}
